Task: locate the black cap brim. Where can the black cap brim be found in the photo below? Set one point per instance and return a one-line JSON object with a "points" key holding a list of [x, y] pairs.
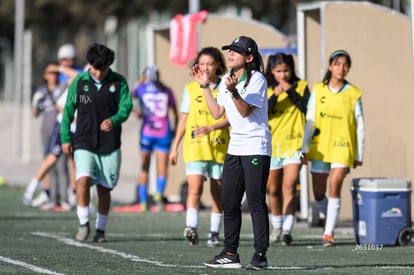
{"points": [[234, 48]]}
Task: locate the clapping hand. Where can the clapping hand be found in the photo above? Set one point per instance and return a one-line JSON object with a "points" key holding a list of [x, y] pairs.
{"points": [[199, 75]]}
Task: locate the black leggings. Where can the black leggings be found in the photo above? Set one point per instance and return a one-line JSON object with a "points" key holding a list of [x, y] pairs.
{"points": [[240, 174]]}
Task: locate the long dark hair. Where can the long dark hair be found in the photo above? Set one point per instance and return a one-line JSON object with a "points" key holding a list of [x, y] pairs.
{"points": [[277, 59], [256, 65], [217, 56], [333, 58]]}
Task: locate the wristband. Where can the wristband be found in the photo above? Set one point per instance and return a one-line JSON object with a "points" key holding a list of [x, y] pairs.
{"points": [[235, 93], [205, 86]]}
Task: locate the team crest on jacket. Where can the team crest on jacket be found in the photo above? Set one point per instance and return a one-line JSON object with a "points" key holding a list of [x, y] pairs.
{"points": [[86, 88], [112, 89]]}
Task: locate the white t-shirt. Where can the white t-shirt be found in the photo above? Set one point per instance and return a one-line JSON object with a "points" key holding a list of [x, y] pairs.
{"points": [[61, 102], [249, 135]]}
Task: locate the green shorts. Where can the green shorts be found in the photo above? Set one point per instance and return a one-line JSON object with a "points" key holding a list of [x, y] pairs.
{"points": [[210, 169], [278, 163], [102, 168], [321, 167]]}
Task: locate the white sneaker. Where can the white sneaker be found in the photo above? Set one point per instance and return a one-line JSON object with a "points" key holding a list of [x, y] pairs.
{"points": [[83, 232], [41, 199]]}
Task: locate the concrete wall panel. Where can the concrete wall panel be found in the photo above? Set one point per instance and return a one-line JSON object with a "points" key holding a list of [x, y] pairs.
{"points": [[379, 42]]}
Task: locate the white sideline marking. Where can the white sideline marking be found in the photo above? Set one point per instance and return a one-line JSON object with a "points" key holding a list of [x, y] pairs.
{"points": [[29, 266], [131, 257], [135, 258], [396, 267]]}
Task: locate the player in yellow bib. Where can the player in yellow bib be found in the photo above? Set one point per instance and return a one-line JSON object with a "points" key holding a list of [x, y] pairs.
{"points": [[205, 146], [287, 96], [334, 137]]}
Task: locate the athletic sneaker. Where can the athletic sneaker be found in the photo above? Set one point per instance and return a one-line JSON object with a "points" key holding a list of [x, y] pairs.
{"points": [[191, 235], [224, 260], [99, 236], [258, 262], [286, 238], [275, 235], [83, 232], [40, 200], [213, 239], [327, 240]]}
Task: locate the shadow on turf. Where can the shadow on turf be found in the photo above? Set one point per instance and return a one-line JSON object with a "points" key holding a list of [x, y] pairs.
{"points": [[243, 243], [314, 242], [146, 239]]}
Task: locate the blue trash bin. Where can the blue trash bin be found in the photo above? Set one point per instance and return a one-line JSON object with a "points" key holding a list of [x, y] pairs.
{"points": [[381, 209]]}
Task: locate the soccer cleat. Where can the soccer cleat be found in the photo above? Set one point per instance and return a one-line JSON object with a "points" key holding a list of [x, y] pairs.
{"points": [[213, 239], [327, 240], [40, 200], [83, 232], [258, 262], [224, 260], [191, 235], [99, 236], [275, 235], [286, 238]]}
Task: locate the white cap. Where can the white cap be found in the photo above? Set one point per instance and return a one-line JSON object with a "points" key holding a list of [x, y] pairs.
{"points": [[67, 51]]}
